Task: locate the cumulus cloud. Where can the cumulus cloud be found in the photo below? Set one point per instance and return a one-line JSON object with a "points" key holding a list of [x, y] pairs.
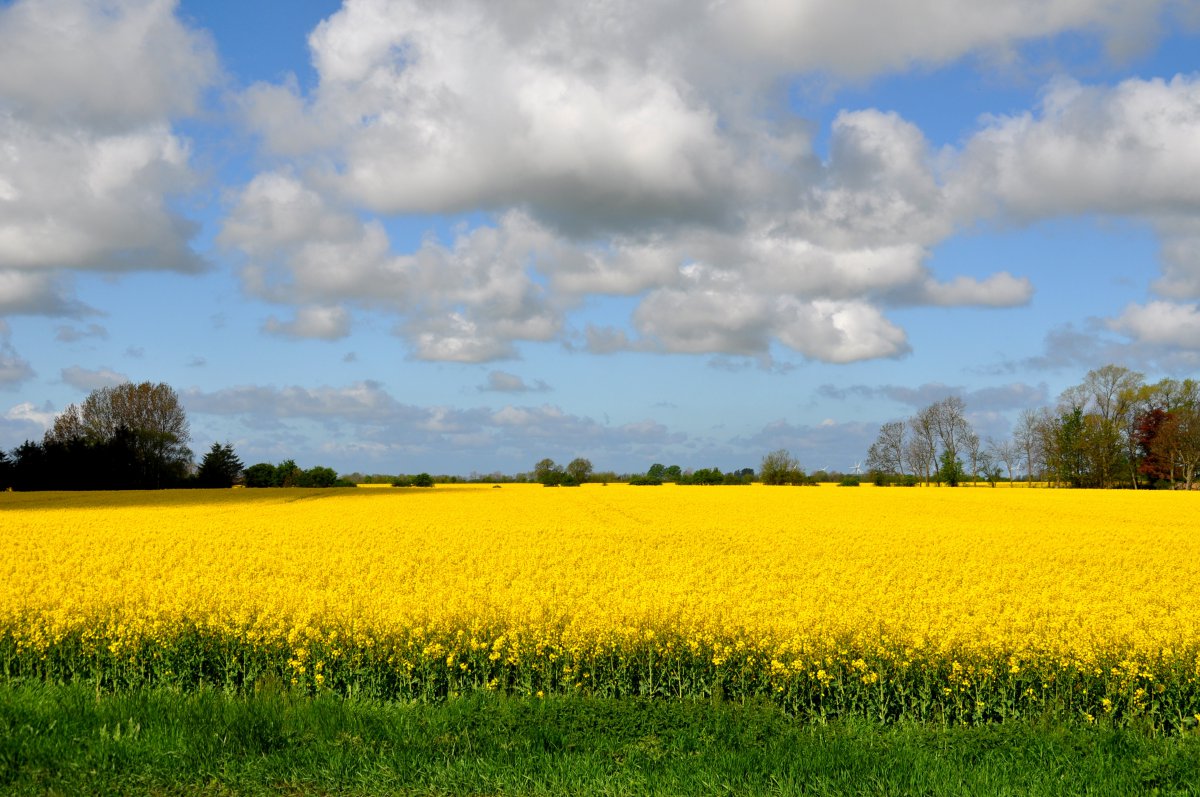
{"points": [[88, 159], [466, 302], [613, 155], [14, 369], [504, 382], [89, 379], [835, 35], [31, 415], [323, 322], [1128, 149], [1161, 324]]}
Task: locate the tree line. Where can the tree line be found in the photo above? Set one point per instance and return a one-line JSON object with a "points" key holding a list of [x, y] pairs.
{"points": [[1114, 429], [135, 437]]}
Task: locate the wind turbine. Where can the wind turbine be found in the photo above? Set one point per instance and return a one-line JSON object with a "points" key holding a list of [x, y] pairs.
{"points": [[857, 468]]}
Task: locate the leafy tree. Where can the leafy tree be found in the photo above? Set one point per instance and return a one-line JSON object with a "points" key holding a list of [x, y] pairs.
{"points": [[1153, 452], [288, 474], [317, 476], [657, 471], [422, 480], [220, 467], [579, 469], [1180, 439], [673, 473], [145, 423], [780, 467], [547, 473], [261, 474], [950, 470]]}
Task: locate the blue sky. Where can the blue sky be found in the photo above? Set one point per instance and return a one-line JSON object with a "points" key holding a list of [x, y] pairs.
{"points": [[397, 235]]}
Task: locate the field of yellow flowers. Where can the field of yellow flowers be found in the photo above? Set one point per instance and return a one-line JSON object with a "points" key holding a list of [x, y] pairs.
{"points": [[947, 605]]}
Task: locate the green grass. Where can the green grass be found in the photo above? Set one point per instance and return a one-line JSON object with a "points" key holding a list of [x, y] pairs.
{"points": [[71, 740]]}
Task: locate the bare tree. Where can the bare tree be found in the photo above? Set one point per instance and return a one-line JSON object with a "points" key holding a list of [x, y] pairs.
{"points": [[1026, 439], [949, 417], [920, 452], [1006, 452], [886, 454], [970, 443]]}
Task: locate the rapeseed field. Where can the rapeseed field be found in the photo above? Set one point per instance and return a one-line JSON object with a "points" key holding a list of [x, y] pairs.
{"points": [[941, 605]]}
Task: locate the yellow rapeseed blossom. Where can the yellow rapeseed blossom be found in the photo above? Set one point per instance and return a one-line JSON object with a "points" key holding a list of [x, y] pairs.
{"points": [[959, 605]]}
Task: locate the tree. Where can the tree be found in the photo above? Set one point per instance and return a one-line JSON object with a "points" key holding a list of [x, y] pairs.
{"points": [[950, 468], [971, 445], [548, 473], [261, 474], [220, 467], [288, 474], [1180, 438], [1004, 451], [1026, 440], [886, 454], [1112, 393], [920, 452], [948, 418], [657, 472], [673, 473], [780, 467], [142, 428], [316, 476], [579, 469]]}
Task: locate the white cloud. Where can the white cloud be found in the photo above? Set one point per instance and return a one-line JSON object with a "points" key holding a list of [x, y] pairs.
{"points": [[89, 379], [617, 155], [29, 413], [504, 382], [998, 290], [323, 322], [1130, 149], [467, 302], [109, 65], [861, 38], [1161, 324], [88, 159]]}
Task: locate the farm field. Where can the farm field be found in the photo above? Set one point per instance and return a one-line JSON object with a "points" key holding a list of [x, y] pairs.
{"points": [[945, 606]]}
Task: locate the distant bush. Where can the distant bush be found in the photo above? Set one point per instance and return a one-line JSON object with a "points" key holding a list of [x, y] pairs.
{"points": [[849, 481]]}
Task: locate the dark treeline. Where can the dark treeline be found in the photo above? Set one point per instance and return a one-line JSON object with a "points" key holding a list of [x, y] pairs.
{"points": [[135, 437]]}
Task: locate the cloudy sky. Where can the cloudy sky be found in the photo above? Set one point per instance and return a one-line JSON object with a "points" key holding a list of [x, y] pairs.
{"points": [[461, 235]]}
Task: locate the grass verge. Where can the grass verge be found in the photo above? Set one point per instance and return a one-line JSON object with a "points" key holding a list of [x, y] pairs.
{"points": [[71, 740]]}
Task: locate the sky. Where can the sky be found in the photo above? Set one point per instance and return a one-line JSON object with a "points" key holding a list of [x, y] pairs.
{"points": [[459, 236]]}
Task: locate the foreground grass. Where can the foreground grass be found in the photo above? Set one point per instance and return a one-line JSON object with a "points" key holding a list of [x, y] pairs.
{"points": [[70, 740]]}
